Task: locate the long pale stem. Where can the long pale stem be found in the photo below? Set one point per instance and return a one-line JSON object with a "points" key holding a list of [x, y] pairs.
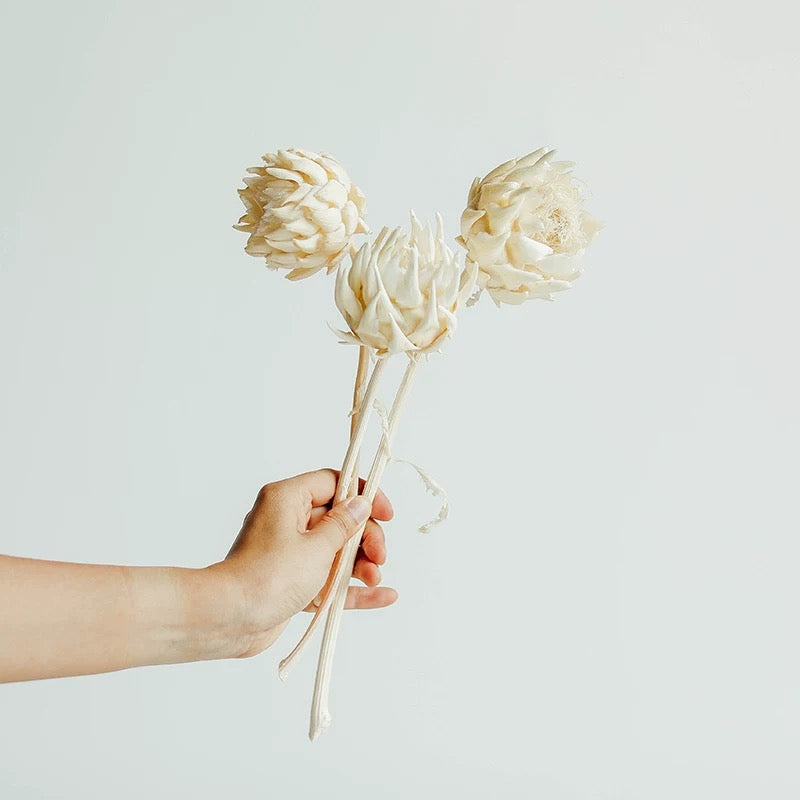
{"points": [[359, 387], [348, 479], [320, 714], [360, 428], [358, 400]]}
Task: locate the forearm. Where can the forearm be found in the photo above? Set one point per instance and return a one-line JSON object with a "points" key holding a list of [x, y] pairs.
{"points": [[59, 619]]}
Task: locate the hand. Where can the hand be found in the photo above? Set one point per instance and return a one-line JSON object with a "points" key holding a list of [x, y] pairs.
{"points": [[283, 557]]}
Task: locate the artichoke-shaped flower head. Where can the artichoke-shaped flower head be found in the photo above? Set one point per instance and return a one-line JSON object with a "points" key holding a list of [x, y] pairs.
{"points": [[302, 212], [402, 291], [526, 229]]}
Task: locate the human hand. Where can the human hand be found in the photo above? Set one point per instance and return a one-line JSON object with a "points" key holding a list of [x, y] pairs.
{"points": [[282, 558]]}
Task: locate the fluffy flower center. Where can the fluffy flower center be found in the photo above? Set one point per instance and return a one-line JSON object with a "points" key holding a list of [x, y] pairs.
{"points": [[557, 207]]}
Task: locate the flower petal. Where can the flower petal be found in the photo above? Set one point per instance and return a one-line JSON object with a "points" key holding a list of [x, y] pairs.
{"points": [[564, 267], [487, 248], [500, 170], [469, 218], [346, 300], [524, 250], [285, 174], [499, 218], [334, 193], [315, 173]]}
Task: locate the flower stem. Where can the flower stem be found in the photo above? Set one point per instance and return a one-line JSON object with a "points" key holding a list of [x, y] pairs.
{"points": [[363, 397], [320, 714], [358, 400], [359, 388], [358, 429]]}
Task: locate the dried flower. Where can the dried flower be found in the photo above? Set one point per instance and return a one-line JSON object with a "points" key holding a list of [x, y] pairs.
{"points": [[402, 291], [525, 228], [302, 212]]}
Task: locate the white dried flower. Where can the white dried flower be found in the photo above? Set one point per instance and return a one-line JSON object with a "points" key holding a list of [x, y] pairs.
{"points": [[402, 291], [302, 212], [525, 228]]}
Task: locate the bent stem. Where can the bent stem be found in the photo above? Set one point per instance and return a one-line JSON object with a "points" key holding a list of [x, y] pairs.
{"points": [[348, 480], [320, 713]]}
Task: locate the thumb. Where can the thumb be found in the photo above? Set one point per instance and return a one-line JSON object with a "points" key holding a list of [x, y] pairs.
{"points": [[342, 521]]}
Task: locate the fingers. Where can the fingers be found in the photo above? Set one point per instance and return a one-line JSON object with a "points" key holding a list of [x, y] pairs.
{"points": [[315, 515], [361, 597], [366, 567], [381, 507], [373, 543], [372, 549], [321, 485], [363, 570], [367, 572], [340, 523]]}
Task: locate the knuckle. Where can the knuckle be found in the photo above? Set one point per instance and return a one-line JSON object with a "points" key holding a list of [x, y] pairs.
{"points": [[265, 491], [275, 491]]}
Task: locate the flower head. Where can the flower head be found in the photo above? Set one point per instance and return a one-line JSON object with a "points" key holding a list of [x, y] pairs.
{"points": [[302, 212], [402, 291], [525, 228]]}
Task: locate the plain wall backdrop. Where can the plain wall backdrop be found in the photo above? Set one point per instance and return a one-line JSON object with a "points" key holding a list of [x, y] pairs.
{"points": [[611, 611]]}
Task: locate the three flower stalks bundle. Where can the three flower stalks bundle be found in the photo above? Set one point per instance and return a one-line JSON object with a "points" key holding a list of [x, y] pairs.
{"points": [[524, 231]]}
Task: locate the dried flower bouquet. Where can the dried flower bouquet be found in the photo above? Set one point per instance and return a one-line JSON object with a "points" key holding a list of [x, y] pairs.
{"points": [[524, 230]]}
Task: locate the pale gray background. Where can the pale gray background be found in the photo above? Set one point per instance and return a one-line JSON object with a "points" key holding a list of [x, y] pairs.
{"points": [[612, 610]]}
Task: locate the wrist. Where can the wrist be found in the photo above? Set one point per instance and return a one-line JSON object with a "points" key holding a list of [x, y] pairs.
{"points": [[212, 606]]}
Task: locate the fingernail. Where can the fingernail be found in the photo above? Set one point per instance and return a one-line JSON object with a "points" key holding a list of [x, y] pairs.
{"points": [[358, 508]]}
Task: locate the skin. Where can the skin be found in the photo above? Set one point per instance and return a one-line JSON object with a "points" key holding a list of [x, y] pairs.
{"points": [[59, 619]]}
